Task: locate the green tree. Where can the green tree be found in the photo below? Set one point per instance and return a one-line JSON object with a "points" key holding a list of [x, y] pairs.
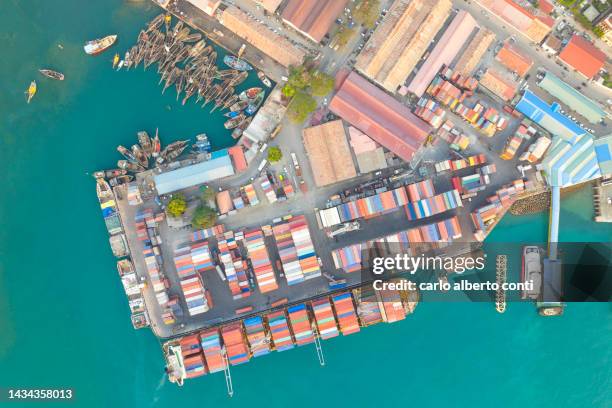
{"points": [[299, 77], [204, 217], [366, 13], [207, 194], [321, 84], [300, 107], [177, 205], [344, 35], [288, 90], [274, 154]]}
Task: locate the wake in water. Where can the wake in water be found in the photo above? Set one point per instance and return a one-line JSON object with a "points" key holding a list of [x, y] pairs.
{"points": [[160, 384]]}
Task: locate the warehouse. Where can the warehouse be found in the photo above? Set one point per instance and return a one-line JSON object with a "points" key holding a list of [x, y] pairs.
{"points": [[269, 5], [401, 39], [190, 176], [583, 56], [513, 59], [379, 116], [444, 52], [313, 18], [536, 28], [569, 163], [575, 100], [603, 150], [260, 36], [329, 153], [495, 82], [207, 6], [474, 52]]}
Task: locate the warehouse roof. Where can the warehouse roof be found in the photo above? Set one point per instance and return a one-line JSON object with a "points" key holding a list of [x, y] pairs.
{"points": [[269, 5], [603, 150], [207, 6], [313, 17], [548, 116], [444, 52], [224, 202], [583, 56], [568, 163], [401, 39], [495, 82], [380, 116], [474, 52], [513, 59], [194, 175], [272, 44], [329, 153], [536, 28], [572, 98], [237, 155]]}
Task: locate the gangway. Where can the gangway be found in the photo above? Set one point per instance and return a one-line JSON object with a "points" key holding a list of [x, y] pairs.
{"points": [[228, 374], [319, 350]]}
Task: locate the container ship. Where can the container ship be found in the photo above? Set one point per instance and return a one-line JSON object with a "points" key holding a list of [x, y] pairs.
{"points": [[289, 326]]}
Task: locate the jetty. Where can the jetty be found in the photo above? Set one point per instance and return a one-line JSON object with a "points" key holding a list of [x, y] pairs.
{"points": [[602, 200]]}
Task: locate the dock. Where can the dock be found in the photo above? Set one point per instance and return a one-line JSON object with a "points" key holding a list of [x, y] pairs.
{"points": [[602, 200]]}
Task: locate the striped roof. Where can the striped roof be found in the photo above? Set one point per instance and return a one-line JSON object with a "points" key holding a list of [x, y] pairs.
{"points": [[567, 164], [603, 150]]}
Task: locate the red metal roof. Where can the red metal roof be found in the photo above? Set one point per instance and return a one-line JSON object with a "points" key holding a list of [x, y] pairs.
{"points": [[514, 59], [313, 17], [583, 56], [237, 154], [379, 116]]}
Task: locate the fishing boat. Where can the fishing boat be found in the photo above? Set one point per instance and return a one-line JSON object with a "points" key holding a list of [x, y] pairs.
{"points": [[31, 91], [253, 106], [233, 122], [236, 133], [130, 166], [167, 21], [236, 63], [170, 152], [116, 59], [145, 142], [140, 156], [250, 93], [104, 191], [127, 154], [49, 73], [202, 144], [231, 114], [238, 106], [156, 23], [101, 44], [156, 144], [120, 180], [264, 79], [109, 173]]}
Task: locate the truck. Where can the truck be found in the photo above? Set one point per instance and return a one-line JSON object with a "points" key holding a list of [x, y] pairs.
{"points": [[303, 186], [296, 165]]}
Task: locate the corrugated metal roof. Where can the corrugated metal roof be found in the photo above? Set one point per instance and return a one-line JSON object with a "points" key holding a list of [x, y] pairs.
{"points": [[193, 175], [513, 59], [583, 56], [207, 6], [567, 164], [536, 28], [444, 52], [500, 86], [572, 98], [379, 116], [603, 150], [313, 17], [474, 52], [224, 202]]}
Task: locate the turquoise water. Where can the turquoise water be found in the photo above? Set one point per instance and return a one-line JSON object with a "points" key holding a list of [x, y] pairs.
{"points": [[64, 320]]}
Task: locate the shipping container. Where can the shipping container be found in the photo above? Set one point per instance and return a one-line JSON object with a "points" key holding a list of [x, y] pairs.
{"points": [[258, 339], [212, 350], [345, 313], [300, 324], [235, 343], [260, 260], [279, 329], [325, 319]]}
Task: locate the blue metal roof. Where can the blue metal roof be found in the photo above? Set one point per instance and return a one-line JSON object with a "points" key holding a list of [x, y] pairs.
{"points": [[193, 175], [566, 164]]}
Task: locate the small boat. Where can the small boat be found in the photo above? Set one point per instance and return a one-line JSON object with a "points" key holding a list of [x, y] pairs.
{"points": [[167, 21], [49, 73], [156, 22], [120, 180], [127, 154], [145, 142], [101, 44], [129, 166], [236, 63], [172, 151], [156, 144], [253, 106], [231, 114], [234, 122], [264, 79], [250, 93], [238, 106], [116, 59], [236, 133], [140, 155], [104, 190], [202, 144], [110, 173], [31, 91]]}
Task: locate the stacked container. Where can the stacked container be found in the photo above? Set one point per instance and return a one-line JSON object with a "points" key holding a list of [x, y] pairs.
{"points": [[157, 279], [191, 285], [279, 329], [433, 205], [194, 366], [324, 316], [200, 257], [421, 190], [260, 260], [235, 345], [288, 253], [390, 305], [190, 345], [235, 269], [345, 313], [251, 195], [307, 257], [268, 189], [211, 347], [288, 188], [368, 306], [348, 258], [203, 234], [256, 336], [300, 324]]}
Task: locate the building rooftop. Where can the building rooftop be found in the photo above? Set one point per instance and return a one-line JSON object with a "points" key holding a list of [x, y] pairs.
{"points": [[238, 158], [276, 46], [474, 51], [313, 18], [400, 40], [446, 49], [548, 116], [495, 82], [224, 202], [572, 98], [207, 6], [329, 153], [269, 5], [512, 58], [536, 28], [553, 43], [379, 116], [583, 56], [603, 150], [193, 175], [566, 163]]}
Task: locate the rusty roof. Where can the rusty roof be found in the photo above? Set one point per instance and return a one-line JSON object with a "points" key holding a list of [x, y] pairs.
{"points": [[495, 82], [313, 17], [513, 59], [379, 116], [583, 56]]}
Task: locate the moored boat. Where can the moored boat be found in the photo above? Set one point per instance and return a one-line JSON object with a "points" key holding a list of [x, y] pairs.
{"points": [[31, 91], [264, 79], [140, 156], [238, 106], [250, 93], [127, 153], [253, 106], [103, 189], [531, 271], [116, 59], [49, 73], [109, 173], [145, 142], [130, 166], [156, 144], [231, 114], [99, 45], [202, 144], [236, 63], [233, 122], [120, 180]]}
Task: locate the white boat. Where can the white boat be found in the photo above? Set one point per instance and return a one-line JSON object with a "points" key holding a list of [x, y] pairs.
{"points": [[97, 46]]}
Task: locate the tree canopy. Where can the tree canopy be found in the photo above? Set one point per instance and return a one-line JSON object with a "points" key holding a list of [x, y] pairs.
{"points": [[300, 107], [274, 154], [367, 12], [344, 35], [177, 206], [204, 217], [321, 84]]}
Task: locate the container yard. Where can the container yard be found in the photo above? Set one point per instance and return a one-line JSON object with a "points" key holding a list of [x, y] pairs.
{"points": [[260, 260]]}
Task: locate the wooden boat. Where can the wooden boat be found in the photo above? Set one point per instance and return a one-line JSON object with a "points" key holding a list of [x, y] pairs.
{"points": [[191, 38], [255, 104], [264, 79], [125, 152], [120, 180], [130, 166], [231, 114], [49, 73], [110, 173], [236, 63], [145, 142], [31, 91], [140, 156], [115, 60], [104, 191], [234, 122], [172, 151], [99, 45], [156, 23], [250, 93], [156, 144], [238, 79], [238, 106]]}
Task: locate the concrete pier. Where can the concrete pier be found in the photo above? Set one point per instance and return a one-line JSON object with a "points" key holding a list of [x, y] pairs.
{"points": [[602, 200]]}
